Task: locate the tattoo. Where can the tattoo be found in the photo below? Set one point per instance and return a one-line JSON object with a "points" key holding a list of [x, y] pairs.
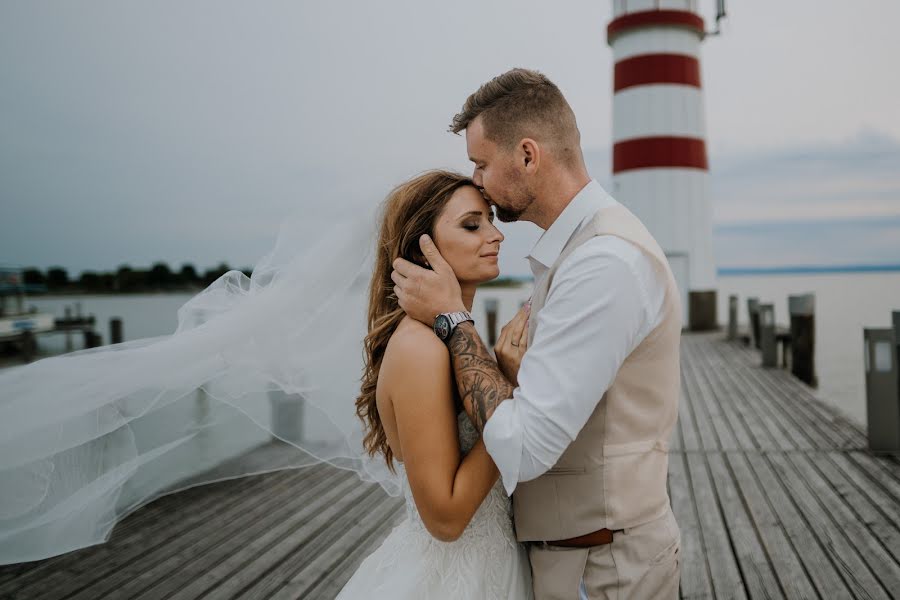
{"points": [[482, 386]]}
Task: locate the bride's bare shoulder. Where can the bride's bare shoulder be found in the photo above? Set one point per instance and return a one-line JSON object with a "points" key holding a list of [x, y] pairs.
{"points": [[416, 341], [414, 346]]}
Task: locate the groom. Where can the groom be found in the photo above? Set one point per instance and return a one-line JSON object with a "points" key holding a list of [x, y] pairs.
{"points": [[581, 442]]}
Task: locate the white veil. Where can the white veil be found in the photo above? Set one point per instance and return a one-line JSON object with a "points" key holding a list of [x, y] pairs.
{"points": [[266, 368]]}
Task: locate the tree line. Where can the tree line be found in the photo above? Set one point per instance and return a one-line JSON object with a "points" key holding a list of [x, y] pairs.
{"points": [[126, 279]]}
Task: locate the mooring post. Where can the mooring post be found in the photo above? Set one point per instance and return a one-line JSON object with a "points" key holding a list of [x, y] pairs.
{"points": [[92, 339], [287, 415], [29, 345], [702, 310], [882, 388], [802, 309], [115, 330], [490, 307], [753, 312], [767, 340], [732, 317], [66, 320]]}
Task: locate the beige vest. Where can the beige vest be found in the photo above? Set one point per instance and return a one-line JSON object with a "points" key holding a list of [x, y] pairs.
{"points": [[613, 474]]}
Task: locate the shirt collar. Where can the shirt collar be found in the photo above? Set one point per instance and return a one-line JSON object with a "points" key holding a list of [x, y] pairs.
{"points": [[586, 203]]}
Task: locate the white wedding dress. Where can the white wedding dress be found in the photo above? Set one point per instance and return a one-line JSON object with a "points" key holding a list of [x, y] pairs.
{"points": [[485, 563]]}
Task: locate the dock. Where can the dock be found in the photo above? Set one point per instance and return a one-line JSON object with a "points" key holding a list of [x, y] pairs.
{"points": [[775, 492]]}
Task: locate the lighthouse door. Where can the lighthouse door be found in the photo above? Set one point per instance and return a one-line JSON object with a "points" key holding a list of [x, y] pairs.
{"points": [[681, 270]]}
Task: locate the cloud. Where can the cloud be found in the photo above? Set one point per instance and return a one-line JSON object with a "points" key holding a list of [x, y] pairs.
{"points": [[857, 178], [823, 242]]}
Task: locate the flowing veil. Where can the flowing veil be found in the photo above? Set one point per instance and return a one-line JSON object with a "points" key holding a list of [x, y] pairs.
{"points": [[266, 368]]}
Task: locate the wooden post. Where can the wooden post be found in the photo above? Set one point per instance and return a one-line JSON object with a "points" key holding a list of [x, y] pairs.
{"points": [[29, 345], [882, 389], [115, 330], [287, 415], [490, 307], [92, 339], [753, 311], [68, 317], [732, 316], [702, 310], [802, 309], [767, 335]]}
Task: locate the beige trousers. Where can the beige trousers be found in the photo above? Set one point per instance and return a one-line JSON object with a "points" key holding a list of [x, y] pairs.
{"points": [[642, 562]]}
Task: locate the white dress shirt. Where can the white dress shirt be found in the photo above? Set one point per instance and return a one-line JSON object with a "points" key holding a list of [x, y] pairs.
{"points": [[603, 301]]}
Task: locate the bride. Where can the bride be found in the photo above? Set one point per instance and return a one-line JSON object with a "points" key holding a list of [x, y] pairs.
{"points": [[457, 540], [88, 437]]}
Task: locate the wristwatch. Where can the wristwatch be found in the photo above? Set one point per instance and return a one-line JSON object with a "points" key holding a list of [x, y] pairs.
{"points": [[445, 323]]}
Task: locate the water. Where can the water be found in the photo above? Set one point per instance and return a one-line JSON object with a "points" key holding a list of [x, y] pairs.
{"points": [[845, 303]]}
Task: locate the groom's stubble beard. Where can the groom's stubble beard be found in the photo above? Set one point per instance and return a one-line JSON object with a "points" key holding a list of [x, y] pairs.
{"points": [[507, 216], [514, 212]]}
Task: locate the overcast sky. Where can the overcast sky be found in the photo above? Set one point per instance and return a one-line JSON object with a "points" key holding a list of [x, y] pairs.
{"points": [[185, 131]]}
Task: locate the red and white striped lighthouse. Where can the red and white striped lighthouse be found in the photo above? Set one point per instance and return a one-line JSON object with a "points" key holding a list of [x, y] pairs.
{"points": [[659, 161]]}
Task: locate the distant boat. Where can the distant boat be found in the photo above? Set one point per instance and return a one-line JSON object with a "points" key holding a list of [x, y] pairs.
{"points": [[17, 324]]}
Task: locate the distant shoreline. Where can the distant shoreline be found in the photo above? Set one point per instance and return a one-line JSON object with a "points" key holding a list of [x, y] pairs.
{"points": [[808, 270]]}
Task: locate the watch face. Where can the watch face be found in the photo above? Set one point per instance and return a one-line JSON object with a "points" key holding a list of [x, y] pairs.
{"points": [[442, 326]]}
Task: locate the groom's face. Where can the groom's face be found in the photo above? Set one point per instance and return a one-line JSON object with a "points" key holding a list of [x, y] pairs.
{"points": [[496, 175]]}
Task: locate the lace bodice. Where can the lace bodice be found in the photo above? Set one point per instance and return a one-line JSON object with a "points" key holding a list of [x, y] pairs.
{"points": [[496, 509], [485, 563], [489, 533]]}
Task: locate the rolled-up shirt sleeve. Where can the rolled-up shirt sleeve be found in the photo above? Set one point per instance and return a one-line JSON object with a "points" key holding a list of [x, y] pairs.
{"points": [[595, 314]]}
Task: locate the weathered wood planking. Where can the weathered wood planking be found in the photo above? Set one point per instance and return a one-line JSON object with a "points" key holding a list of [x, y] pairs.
{"points": [[775, 493]]}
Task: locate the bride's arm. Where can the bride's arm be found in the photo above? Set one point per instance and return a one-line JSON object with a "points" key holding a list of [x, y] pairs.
{"points": [[446, 489]]}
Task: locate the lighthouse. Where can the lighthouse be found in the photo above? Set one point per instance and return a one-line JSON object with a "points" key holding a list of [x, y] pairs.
{"points": [[659, 159]]}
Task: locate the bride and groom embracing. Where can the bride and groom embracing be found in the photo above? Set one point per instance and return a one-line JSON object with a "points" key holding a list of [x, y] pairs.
{"points": [[537, 472], [541, 473]]}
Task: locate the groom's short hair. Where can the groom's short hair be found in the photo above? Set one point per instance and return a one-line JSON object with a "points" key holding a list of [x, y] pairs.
{"points": [[518, 104]]}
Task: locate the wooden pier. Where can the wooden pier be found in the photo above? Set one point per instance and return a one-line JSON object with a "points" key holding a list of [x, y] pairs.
{"points": [[776, 496]]}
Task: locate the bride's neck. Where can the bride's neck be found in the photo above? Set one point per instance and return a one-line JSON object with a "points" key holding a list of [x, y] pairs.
{"points": [[468, 295]]}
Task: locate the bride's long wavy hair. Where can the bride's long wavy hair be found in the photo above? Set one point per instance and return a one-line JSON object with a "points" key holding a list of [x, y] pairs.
{"points": [[411, 209]]}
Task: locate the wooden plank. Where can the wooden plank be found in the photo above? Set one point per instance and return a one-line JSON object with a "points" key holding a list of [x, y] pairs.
{"points": [[332, 569], [87, 565], [695, 575], [763, 429], [882, 468], [193, 573], [858, 494], [753, 562], [145, 570], [785, 432], [724, 572], [707, 370], [708, 408], [852, 567], [794, 580], [793, 423], [706, 435], [161, 516], [686, 425], [796, 396], [824, 574], [259, 579], [871, 550], [743, 374], [753, 433], [872, 486]]}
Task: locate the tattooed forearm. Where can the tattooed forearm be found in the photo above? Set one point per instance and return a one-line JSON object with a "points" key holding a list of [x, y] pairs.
{"points": [[481, 384]]}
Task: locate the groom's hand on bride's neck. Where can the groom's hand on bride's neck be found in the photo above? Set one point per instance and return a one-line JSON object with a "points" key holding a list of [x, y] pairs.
{"points": [[422, 293]]}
